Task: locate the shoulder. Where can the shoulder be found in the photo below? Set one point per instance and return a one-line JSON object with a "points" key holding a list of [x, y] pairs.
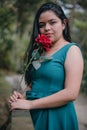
{"points": [[74, 49], [74, 56], [71, 47]]}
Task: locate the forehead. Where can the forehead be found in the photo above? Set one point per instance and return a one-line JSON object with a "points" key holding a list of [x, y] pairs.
{"points": [[47, 15]]}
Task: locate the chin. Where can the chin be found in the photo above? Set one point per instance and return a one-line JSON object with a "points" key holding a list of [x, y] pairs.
{"points": [[51, 38]]}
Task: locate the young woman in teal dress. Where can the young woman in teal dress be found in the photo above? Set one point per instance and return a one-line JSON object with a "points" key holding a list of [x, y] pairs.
{"points": [[52, 88]]}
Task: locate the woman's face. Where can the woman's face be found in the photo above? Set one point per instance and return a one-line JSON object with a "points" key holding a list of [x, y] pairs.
{"points": [[51, 25]]}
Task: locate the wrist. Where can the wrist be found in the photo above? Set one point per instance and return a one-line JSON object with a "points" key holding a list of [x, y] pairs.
{"points": [[30, 106], [34, 104]]}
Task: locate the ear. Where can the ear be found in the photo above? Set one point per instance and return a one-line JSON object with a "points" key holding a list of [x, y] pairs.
{"points": [[64, 23]]}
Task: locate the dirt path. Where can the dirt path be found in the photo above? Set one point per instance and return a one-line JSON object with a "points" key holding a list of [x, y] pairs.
{"points": [[81, 109], [80, 104]]}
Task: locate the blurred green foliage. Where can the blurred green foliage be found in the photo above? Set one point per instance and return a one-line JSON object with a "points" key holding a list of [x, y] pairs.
{"points": [[16, 19]]}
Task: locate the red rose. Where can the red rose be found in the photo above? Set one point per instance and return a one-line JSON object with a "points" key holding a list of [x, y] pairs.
{"points": [[44, 41]]}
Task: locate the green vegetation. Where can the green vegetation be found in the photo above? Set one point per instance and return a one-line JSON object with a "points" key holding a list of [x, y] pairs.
{"points": [[16, 24]]}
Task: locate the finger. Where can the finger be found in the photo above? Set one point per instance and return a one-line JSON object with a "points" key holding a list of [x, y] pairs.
{"points": [[15, 94], [13, 98], [10, 101], [20, 95]]}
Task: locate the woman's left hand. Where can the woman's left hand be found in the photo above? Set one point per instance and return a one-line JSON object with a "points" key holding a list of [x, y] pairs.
{"points": [[21, 104]]}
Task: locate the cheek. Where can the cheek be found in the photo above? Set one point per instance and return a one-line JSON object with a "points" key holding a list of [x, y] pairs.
{"points": [[59, 27], [41, 31], [57, 34], [58, 30]]}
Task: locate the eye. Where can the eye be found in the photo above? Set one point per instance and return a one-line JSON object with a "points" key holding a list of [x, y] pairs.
{"points": [[41, 25], [53, 22]]}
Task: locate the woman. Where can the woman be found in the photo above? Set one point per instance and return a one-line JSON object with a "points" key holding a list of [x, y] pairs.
{"points": [[55, 84]]}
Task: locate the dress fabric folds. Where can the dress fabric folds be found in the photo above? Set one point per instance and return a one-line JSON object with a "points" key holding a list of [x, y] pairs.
{"points": [[47, 80]]}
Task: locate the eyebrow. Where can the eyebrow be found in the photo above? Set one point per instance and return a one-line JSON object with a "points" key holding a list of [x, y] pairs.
{"points": [[49, 20]]}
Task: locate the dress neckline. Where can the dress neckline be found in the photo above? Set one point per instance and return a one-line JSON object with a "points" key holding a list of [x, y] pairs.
{"points": [[49, 57], [57, 50]]}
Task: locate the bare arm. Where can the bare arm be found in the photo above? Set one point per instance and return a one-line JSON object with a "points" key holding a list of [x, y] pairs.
{"points": [[74, 70]]}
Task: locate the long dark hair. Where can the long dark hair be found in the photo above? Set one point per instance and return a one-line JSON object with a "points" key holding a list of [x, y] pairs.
{"points": [[66, 32]]}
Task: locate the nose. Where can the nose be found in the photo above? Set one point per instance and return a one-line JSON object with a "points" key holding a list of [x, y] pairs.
{"points": [[47, 27]]}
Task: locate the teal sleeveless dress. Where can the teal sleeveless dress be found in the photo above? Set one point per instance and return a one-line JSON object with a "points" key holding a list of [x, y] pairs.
{"points": [[47, 80]]}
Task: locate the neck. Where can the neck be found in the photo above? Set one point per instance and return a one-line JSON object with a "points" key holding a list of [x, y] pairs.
{"points": [[56, 46], [59, 44]]}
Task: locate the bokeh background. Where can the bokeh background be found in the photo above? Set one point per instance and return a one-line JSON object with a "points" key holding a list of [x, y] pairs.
{"points": [[16, 21]]}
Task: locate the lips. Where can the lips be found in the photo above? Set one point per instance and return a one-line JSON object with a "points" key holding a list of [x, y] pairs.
{"points": [[48, 34]]}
